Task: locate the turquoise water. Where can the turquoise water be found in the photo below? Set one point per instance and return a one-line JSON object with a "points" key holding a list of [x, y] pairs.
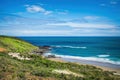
{"points": [[101, 49]]}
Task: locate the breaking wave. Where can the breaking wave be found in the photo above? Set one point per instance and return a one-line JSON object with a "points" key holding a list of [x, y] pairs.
{"points": [[105, 60], [103, 55], [71, 47]]}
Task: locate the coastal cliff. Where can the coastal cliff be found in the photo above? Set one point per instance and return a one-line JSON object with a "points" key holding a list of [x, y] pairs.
{"points": [[18, 63]]}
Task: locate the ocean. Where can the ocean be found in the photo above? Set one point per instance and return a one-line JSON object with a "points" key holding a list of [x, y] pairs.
{"points": [[100, 49]]}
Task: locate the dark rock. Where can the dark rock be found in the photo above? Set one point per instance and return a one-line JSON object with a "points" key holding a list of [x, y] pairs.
{"points": [[51, 56], [41, 50], [45, 47]]}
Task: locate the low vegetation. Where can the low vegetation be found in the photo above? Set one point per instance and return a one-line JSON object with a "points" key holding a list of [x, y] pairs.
{"points": [[12, 44], [38, 68]]}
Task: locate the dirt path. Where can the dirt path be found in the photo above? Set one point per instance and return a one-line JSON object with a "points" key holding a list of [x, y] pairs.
{"points": [[2, 50]]}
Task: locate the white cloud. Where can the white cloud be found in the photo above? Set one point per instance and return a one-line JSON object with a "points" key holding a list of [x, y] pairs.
{"points": [[39, 9], [85, 25], [91, 17], [58, 27], [36, 9], [48, 12], [63, 12], [75, 32], [45, 31], [36, 32], [109, 3], [113, 2]]}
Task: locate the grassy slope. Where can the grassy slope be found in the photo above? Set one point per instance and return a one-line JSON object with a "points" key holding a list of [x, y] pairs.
{"points": [[39, 68], [15, 45]]}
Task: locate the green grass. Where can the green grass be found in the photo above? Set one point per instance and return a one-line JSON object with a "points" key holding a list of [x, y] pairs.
{"points": [[13, 44], [38, 67]]}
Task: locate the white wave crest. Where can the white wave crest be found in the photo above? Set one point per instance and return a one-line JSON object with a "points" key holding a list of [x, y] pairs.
{"points": [[71, 47], [103, 55], [90, 59], [46, 54]]}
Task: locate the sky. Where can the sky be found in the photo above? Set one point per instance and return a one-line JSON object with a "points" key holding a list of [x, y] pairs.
{"points": [[60, 17]]}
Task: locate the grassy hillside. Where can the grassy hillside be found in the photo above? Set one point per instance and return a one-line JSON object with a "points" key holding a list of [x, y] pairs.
{"points": [[13, 44], [38, 68]]}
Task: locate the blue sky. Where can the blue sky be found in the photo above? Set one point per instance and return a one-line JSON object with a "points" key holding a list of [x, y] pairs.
{"points": [[60, 17]]}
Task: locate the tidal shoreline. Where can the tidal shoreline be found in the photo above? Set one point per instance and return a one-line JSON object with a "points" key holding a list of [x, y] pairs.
{"points": [[102, 65], [44, 51]]}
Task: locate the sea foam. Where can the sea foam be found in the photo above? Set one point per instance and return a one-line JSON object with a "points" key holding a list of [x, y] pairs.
{"points": [[70, 47], [103, 55], [98, 59]]}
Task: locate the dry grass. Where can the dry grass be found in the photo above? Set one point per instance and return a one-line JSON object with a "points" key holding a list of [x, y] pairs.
{"points": [[17, 55], [2, 50], [67, 72]]}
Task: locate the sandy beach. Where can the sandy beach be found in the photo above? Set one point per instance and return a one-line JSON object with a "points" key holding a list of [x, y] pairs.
{"points": [[104, 66]]}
